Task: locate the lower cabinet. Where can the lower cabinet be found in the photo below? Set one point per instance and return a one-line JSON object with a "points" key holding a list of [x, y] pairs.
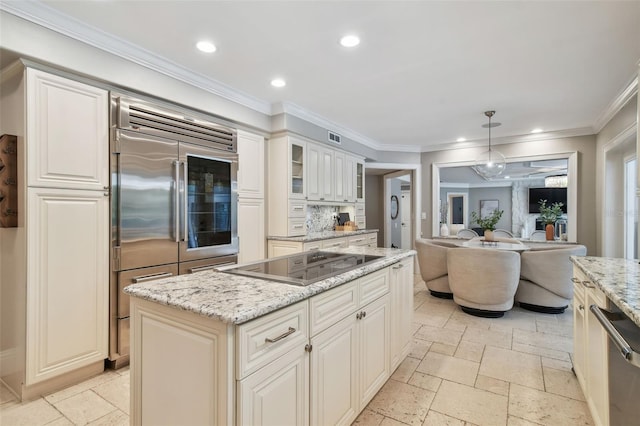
{"points": [[277, 394], [67, 281], [590, 348], [319, 361], [286, 247], [401, 290]]}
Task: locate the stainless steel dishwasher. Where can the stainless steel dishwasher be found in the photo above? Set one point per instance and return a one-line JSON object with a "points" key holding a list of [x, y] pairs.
{"points": [[624, 365]]}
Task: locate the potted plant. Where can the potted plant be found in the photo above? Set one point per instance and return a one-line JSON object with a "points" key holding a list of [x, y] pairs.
{"points": [[487, 223], [550, 215]]}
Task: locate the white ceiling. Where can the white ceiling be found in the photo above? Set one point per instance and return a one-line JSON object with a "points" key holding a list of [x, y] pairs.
{"points": [[423, 74]]}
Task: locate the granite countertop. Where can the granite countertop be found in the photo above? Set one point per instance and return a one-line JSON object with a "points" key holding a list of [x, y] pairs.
{"points": [[237, 299], [619, 279], [324, 235]]}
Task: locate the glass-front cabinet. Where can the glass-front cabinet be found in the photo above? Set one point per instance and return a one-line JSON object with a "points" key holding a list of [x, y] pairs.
{"points": [[297, 167], [360, 181]]}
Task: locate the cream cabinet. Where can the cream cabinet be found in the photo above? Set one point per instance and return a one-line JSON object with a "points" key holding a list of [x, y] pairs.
{"points": [[350, 178], [350, 359], [287, 186], [590, 347], [67, 133], [401, 291], [320, 175], [251, 203], [359, 181], [67, 273], [282, 248], [340, 179], [59, 276]]}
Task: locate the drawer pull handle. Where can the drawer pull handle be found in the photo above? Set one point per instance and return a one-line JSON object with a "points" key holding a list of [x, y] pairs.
{"points": [[297, 226], [280, 337], [298, 209], [586, 284], [143, 278], [400, 266], [575, 280]]}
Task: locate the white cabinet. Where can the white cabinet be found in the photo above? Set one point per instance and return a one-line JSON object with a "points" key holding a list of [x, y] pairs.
{"points": [[67, 275], [67, 133], [590, 347], [320, 175], [251, 176], [251, 229], [60, 257], [285, 247], [287, 186], [277, 394], [359, 181], [401, 290], [251, 204], [350, 359], [350, 178], [340, 180], [334, 374]]}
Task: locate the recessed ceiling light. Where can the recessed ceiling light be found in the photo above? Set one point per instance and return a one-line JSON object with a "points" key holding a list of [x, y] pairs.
{"points": [[278, 82], [507, 177], [206, 46], [537, 130], [350, 40], [461, 140]]}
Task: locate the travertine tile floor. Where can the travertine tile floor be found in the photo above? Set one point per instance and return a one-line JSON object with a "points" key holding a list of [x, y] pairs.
{"points": [[463, 370]]}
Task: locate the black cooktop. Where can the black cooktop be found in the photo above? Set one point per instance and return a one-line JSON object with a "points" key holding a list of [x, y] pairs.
{"points": [[304, 268]]}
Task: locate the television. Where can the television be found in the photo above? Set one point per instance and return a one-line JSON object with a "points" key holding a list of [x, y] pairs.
{"points": [[552, 195]]}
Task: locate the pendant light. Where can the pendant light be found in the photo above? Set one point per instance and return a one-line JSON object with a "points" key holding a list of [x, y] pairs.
{"points": [[490, 163]]}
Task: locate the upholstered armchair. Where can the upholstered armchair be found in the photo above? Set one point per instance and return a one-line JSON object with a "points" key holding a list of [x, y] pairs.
{"points": [[483, 281], [432, 259], [545, 278], [467, 233]]}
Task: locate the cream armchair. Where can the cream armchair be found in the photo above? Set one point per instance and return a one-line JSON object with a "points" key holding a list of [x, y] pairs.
{"points": [[432, 259], [483, 281], [545, 279]]}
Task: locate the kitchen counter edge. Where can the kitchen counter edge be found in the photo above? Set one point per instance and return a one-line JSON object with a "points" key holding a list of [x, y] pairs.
{"points": [[325, 235], [237, 299], [619, 279]]}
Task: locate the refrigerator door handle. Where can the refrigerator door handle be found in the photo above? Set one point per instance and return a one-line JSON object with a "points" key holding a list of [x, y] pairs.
{"points": [[185, 177], [176, 216]]}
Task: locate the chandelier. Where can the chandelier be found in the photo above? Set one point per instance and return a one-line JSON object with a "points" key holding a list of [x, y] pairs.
{"points": [[490, 163]]}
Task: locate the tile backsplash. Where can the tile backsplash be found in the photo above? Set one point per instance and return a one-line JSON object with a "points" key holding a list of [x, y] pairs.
{"points": [[320, 218]]}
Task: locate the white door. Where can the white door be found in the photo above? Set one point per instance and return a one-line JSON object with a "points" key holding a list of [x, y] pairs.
{"points": [[350, 178], [334, 369], [405, 223], [401, 311], [251, 176], [327, 175], [67, 133], [314, 172], [374, 348], [251, 231], [340, 176], [277, 394], [67, 281]]}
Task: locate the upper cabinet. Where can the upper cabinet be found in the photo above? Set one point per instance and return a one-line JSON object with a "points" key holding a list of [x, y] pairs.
{"points": [[359, 181], [296, 153], [67, 130], [250, 165]]}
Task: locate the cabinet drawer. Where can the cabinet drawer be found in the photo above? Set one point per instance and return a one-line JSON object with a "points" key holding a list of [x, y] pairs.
{"points": [[297, 209], [316, 245], [358, 240], [372, 239], [331, 306], [334, 243], [361, 222], [359, 210], [373, 286], [264, 339], [297, 227]]}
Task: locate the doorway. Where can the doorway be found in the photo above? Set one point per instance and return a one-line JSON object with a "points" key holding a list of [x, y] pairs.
{"points": [[398, 217]]}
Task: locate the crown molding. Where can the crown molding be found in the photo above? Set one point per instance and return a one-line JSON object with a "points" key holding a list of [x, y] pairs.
{"points": [[47, 17], [617, 104], [581, 131], [313, 118]]}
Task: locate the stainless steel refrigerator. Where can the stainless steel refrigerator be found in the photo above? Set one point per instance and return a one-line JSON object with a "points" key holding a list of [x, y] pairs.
{"points": [[173, 201]]}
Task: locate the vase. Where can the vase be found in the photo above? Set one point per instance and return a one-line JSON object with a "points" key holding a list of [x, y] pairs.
{"points": [[444, 230], [488, 235], [550, 231]]}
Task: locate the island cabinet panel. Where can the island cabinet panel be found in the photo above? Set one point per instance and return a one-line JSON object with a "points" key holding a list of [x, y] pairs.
{"points": [[401, 310], [334, 374], [180, 367], [374, 348], [277, 394]]}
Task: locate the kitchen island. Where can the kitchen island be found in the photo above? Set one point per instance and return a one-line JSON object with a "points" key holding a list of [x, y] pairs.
{"points": [[216, 348]]}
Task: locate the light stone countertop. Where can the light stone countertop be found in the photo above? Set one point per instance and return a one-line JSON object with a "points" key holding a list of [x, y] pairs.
{"points": [[619, 279], [324, 235], [237, 299]]}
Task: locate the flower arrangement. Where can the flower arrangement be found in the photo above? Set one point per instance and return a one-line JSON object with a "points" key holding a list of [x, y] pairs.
{"points": [[488, 222], [550, 214]]}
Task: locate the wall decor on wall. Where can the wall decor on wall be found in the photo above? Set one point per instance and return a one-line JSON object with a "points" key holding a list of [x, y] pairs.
{"points": [[487, 207]]}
